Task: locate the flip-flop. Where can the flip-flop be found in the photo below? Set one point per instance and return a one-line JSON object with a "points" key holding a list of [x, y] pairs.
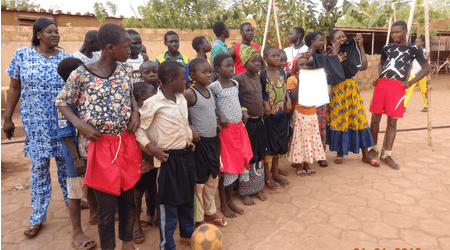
{"points": [[323, 164], [271, 184], [219, 222], [310, 172], [301, 172], [146, 222], [138, 236], [372, 162], [185, 241], [84, 204], [338, 160], [32, 231], [83, 243], [281, 181]]}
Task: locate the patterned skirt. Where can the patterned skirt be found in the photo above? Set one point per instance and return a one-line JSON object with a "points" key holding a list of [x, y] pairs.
{"points": [[348, 129], [255, 181], [322, 117], [306, 144]]}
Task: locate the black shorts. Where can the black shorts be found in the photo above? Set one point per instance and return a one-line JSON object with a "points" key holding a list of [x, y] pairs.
{"points": [[147, 180], [277, 134], [207, 158], [257, 133]]}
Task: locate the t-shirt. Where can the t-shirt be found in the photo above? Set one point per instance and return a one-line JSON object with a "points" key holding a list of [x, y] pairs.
{"points": [[227, 100], [416, 66], [291, 53], [218, 47], [136, 62], [95, 56], [398, 60]]}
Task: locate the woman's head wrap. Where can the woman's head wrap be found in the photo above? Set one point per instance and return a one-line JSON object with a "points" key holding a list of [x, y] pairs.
{"points": [[246, 52]]}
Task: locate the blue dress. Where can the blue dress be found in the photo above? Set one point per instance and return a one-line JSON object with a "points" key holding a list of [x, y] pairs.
{"points": [[40, 85]]}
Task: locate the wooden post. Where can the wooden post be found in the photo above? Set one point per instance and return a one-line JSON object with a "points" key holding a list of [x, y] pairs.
{"points": [[410, 20], [395, 14], [267, 25], [427, 45], [276, 23], [437, 60], [389, 31], [373, 41]]}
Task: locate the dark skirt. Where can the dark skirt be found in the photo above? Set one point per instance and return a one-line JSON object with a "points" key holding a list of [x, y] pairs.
{"points": [[207, 158], [277, 134], [257, 134]]}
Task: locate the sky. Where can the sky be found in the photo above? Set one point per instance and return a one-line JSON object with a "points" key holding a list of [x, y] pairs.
{"points": [[84, 6]]}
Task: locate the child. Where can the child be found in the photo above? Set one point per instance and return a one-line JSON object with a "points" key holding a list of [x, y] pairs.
{"points": [[76, 166], [221, 31], [283, 62], [136, 58], [172, 41], [114, 160], [88, 53], [420, 42], [306, 145], [149, 73], [395, 63], [166, 133], [202, 115], [142, 91], [201, 46], [277, 105], [235, 149], [250, 97]]}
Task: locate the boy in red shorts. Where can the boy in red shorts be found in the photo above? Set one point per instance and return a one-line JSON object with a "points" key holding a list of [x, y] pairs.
{"points": [[395, 62]]}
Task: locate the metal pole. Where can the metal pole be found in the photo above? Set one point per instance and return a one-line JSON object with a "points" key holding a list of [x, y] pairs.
{"points": [[373, 41], [389, 31], [427, 45], [410, 19], [276, 23], [267, 25]]}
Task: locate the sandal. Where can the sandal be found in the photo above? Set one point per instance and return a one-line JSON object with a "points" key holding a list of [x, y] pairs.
{"points": [[138, 236], [281, 181], [146, 222], [32, 231], [83, 243], [185, 241], [323, 164], [310, 172], [301, 172], [84, 204], [372, 162], [338, 160], [219, 222], [271, 184]]}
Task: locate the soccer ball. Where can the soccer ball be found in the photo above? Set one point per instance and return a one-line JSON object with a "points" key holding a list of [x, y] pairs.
{"points": [[207, 237]]}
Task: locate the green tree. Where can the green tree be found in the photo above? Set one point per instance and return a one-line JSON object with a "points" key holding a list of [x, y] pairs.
{"points": [[101, 10], [20, 3]]}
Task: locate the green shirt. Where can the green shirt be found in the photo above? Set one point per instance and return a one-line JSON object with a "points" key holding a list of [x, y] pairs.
{"points": [[218, 47], [184, 60]]}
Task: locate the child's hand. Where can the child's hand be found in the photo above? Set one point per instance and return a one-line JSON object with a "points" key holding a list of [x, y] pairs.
{"points": [[134, 122], [89, 132], [157, 152], [223, 122], [336, 48], [406, 84], [245, 116], [144, 56], [80, 166], [342, 56], [287, 107], [195, 136], [266, 109]]}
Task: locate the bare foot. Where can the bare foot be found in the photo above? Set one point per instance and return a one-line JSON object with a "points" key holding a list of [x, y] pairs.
{"points": [[226, 211], [247, 200], [235, 208], [260, 195], [93, 219], [127, 245], [282, 172]]}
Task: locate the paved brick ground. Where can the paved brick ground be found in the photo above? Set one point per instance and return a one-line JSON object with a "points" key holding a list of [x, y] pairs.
{"points": [[346, 206]]}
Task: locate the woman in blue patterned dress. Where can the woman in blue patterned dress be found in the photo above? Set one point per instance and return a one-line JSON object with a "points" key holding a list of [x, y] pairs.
{"points": [[36, 83]]}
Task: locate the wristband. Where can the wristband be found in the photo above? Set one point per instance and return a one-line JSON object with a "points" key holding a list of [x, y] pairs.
{"points": [[243, 109]]}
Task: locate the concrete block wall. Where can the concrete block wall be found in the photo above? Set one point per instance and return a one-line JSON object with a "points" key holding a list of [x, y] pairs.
{"points": [[369, 75]]}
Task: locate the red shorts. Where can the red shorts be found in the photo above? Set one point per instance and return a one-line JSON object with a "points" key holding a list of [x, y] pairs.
{"points": [[388, 98], [114, 162]]}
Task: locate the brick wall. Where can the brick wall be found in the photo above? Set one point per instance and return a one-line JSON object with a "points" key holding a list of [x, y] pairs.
{"points": [[369, 75]]}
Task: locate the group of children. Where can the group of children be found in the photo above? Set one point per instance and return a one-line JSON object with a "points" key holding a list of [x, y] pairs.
{"points": [[186, 130]]}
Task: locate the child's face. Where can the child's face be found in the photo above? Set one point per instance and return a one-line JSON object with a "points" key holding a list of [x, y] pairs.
{"points": [[283, 61], [226, 68], [293, 36], [398, 34], [150, 73], [419, 42], [302, 63], [179, 81], [339, 37], [206, 46], [318, 42], [253, 65], [172, 43], [203, 74], [273, 57], [136, 43], [149, 92], [121, 51]]}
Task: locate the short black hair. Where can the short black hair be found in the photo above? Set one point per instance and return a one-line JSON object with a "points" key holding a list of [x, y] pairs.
{"points": [[267, 49], [282, 52], [39, 26], [141, 87], [91, 35], [219, 27], [67, 65], [193, 65], [334, 33], [197, 42], [167, 69], [220, 58], [299, 31], [170, 33], [146, 64], [402, 24], [421, 38], [110, 33], [245, 24], [133, 32], [311, 36]]}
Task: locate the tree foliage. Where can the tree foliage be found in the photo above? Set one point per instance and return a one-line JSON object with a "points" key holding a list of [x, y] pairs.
{"points": [[102, 10], [20, 3]]}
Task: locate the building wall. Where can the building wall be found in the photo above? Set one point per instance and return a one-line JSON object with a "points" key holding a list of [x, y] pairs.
{"points": [[369, 75]]}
